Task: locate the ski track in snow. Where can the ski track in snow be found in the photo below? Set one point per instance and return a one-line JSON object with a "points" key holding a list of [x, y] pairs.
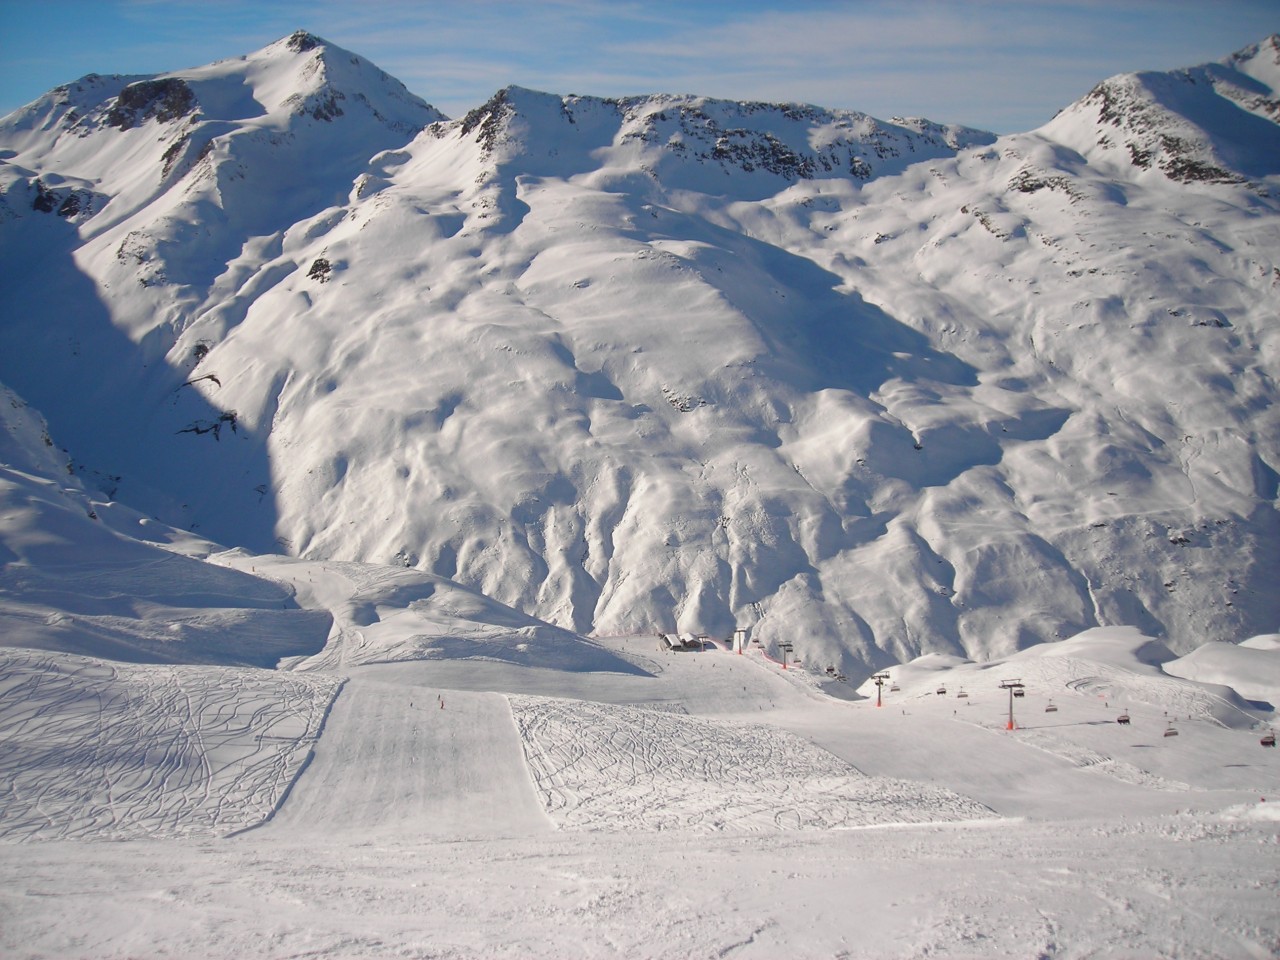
{"points": [[1120, 687], [601, 767], [98, 750], [1097, 762]]}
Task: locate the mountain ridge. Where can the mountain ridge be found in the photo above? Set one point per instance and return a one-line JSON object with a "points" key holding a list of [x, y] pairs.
{"points": [[878, 388]]}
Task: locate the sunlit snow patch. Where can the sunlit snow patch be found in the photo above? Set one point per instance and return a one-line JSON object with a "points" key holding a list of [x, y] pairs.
{"points": [[609, 767], [1251, 668], [96, 750], [387, 614]]}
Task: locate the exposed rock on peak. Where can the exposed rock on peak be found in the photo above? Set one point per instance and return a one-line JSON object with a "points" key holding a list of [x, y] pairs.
{"points": [[487, 119], [300, 41], [1259, 59]]}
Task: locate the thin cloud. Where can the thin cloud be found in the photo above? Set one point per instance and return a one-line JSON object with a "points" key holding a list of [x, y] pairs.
{"points": [[990, 63]]}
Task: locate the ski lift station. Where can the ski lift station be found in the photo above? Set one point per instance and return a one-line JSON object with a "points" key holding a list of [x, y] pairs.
{"points": [[681, 642]]}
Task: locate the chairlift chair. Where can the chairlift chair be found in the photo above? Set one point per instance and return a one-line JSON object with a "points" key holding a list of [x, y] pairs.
{"points": [[1019, 692], [1169, 731], [1050, 708], [1268, 739], [941, 691], [962, 695], [1123, 718], [894, 688]]}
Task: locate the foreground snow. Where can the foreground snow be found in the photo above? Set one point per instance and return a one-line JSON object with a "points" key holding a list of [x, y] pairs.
{"points": [[1184, 886], [688, 805], [598, 765], [430, 773]]}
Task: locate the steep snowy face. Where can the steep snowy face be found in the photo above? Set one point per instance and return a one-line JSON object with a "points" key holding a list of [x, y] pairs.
{"points": [[167, 178], [670, 362], [133, 205], [1217, 123], [79, 576]]}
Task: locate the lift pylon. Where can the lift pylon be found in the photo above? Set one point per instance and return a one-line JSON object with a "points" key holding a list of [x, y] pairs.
{"points": [[1012, 686], [880, 679]]}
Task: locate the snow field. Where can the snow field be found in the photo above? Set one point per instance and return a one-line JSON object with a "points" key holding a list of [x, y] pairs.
{"points": [[391, 614], [1067, 759], [1251, 668], [99, 750], [969, 405], [696, 381]]}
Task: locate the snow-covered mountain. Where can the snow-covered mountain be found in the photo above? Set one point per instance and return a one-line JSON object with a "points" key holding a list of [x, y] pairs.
{"points": [[299, 374], [877, 388]]}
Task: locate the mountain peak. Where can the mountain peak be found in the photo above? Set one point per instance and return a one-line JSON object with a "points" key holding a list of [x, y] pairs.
{"points": [[1268, 49], [300, 41], [1214, 123]]}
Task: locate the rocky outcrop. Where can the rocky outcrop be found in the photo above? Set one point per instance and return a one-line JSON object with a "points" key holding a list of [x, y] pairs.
{"points": [[164, 99]]}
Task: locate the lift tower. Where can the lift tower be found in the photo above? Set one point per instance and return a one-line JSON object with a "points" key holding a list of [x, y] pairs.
{"points": [[1011, 686], [880, 679]]}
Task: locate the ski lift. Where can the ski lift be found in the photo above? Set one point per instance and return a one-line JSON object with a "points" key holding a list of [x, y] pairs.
{"points": [[1019, 692], [1123, 718], [1050, 708], [941, 691], [894, 688], [1169, 731], [1269, 739], [962, 695]]}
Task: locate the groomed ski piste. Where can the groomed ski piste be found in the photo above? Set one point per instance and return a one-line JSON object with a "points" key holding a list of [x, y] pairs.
{"points": [[446, 778]]}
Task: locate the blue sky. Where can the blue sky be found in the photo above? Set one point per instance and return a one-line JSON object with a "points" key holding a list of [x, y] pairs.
{"points": [[994, 64]]}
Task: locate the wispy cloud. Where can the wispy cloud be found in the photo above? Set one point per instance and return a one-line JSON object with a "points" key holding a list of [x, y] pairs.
{"points": [[996, 63]]}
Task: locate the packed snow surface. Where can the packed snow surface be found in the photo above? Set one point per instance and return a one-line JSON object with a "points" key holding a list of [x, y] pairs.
{"points": [[436, 774], [596, 764]]}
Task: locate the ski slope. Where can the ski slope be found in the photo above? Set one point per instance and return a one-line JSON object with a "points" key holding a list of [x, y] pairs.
{"points": [[106, 751], [430, 772], [401, 760], [697, 804], [596, 765]]}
